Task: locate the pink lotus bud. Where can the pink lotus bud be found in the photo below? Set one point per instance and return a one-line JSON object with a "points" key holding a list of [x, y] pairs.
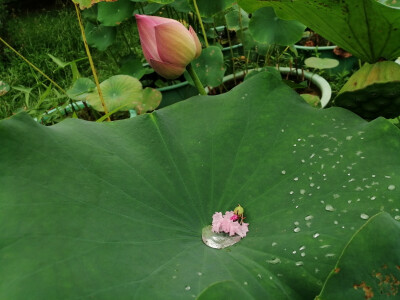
{"points": [[167, 45]]}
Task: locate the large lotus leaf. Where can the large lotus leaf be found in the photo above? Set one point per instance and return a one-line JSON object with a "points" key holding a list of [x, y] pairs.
{"points": [[115, 210], [118, 91], [267, 28], [99, 36], [373, 272], [365, 28], [209, 66], [113, 13]]}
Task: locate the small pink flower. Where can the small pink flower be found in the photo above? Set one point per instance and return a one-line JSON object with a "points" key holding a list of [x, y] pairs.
{"points": [[226, 223], [234, 217]]}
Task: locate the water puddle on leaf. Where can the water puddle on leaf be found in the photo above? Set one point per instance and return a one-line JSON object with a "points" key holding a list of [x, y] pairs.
{"points": [[218, 240]]}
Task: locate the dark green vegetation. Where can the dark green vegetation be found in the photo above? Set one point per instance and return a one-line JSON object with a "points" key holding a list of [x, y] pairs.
{"points": [[54, 30]]}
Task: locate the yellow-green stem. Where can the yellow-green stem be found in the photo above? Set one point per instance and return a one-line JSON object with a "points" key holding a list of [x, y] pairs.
{"points": [[96, 79], [33, 66], [201, 22], [196, 79]]}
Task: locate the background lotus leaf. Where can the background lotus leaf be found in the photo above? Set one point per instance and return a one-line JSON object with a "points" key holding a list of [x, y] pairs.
{"points": [[321, 63], [267, 28], [209, 66], [116, 209], [81, 89], [113, 13], [99, 36], [365, 28], [118, 91]]}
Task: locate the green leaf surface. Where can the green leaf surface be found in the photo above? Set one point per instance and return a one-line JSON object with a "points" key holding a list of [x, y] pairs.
{"points": [[182, 6], [311, 99], [132, 66], [113, 13], [237, 19], [321, 63], [369, 267], [365, 28], [115, 210], [151, 99], [118, 90], [209, 8], [209, 66], [99, 36], [267, 28], [81, 89]]}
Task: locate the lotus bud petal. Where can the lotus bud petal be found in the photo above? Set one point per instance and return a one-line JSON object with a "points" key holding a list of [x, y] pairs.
{"points": [[196, 41], [167, 70], [166, 43]]}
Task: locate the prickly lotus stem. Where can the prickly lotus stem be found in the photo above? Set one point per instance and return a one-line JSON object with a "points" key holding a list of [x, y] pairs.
{"points": [[373, 91]]}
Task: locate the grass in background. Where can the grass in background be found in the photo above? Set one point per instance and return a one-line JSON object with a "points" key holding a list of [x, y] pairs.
{"points": [[38, 33]]}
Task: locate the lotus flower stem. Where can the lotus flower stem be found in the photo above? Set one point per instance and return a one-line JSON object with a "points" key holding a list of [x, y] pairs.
{"points": [[200, 22], [196, 79], [33, 66], [96, 79]]}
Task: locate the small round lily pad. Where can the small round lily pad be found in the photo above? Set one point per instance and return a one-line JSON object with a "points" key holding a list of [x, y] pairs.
{"points": [[321, 63], [117, 91]]}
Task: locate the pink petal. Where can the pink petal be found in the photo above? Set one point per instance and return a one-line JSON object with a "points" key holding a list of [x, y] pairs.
{"points": [[167, 70], [217, 219], [175, 44], [234, 228], [196, 41], [242, 229], [146, 26]]}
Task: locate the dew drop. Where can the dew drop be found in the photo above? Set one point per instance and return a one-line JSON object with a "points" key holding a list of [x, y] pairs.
{"points": [[315, 235], [329, 207], [364, 216], [308, 218], [297, 229], [274, 261], [199, 273], [330, 255], [283, 172], [296, 178], [245, 283], [391, 187], [299, 263], [397, 218], [187, 288], [274, 244]]}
